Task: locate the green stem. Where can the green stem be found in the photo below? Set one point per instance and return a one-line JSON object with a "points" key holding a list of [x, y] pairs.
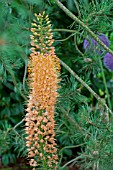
{"points": [[105, 84], [44, 162], [24, 77], [16, 85], [68, 147], [65, 39], [75, 43], [18, 124], [65, 30], [77, 6], [72, 160]]}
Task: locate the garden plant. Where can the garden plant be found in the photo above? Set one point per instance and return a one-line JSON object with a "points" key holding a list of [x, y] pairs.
{"points": [[56, 81]]}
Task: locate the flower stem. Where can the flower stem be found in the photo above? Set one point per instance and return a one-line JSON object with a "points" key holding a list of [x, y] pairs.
{"points": [[65, 30]]}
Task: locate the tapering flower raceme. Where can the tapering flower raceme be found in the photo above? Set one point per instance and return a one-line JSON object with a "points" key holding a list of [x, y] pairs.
{"points": [[91, 46], [44, 67]]}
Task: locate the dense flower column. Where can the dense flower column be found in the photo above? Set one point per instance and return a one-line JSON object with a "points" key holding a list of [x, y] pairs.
{"points": [[44, 69]]}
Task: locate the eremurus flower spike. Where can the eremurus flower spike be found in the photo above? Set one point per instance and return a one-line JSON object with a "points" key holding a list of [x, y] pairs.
{"points": [[44, 68]]}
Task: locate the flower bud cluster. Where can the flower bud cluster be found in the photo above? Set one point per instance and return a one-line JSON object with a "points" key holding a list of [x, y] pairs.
{"points": [[44, 68]]}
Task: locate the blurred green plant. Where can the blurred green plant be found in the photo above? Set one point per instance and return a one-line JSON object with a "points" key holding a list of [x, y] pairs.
{"points": [[83, 131]]}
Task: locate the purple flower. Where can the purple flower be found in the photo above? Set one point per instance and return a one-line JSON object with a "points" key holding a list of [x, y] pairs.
{"points": [[108, 61], [92, 46]]}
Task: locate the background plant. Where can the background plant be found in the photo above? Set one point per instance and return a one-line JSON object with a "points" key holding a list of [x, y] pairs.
{"points": [[84, 134]]}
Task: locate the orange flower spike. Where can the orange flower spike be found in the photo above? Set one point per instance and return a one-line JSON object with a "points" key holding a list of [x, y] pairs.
{"points": [[43, 69]]}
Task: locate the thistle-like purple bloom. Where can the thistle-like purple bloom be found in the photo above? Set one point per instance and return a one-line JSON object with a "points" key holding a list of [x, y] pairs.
{"points": [[108, 61], [91, 46]]}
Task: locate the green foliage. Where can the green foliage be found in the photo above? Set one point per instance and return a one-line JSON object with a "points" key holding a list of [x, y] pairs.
{"points": [[6, 145], [83, 131]]}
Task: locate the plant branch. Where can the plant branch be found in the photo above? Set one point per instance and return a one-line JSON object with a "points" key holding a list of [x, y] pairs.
{"points": [[75, 43], [77, 6], [64, 30], [18, 124], [73, 160], [65, 39], [15, 83], [24, 77], [102, 101]]}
